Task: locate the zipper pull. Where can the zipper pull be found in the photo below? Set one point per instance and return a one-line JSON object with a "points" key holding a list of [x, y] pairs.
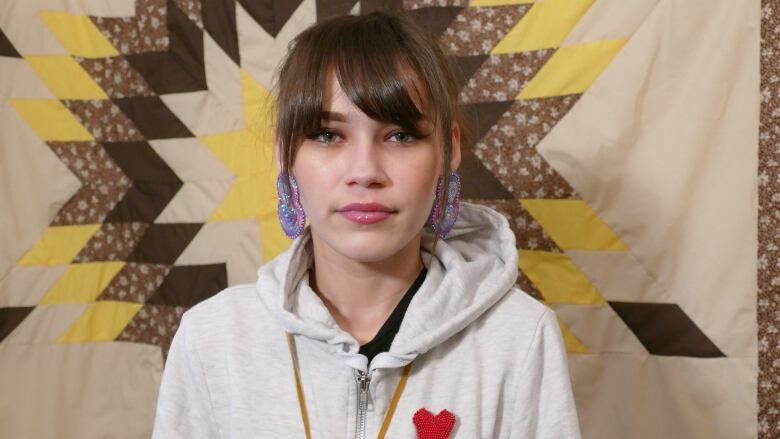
{"points": [[363, 386], [365, 401]]}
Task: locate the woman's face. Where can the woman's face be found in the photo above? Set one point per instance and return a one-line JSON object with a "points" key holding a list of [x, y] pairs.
{"points": [[355, 160]]}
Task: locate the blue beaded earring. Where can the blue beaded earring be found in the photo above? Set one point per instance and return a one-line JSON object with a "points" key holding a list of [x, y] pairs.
{"points": [[451, 208], [291, 214]]}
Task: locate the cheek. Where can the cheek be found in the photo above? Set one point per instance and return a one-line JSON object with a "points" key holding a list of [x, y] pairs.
{"points": [[307, 173], [425, 169], [418, 178], [318, 178]]}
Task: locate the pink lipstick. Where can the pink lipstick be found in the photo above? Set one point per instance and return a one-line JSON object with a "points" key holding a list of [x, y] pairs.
{"points": [[366, 213]]}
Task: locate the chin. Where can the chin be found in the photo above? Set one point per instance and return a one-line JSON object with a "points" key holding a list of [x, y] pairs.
{"points": [[366, 246]]}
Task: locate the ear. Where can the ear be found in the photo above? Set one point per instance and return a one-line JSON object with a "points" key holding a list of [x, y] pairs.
{"points": [[455, 153]]}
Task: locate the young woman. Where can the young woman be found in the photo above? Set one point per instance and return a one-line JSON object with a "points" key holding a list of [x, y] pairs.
{"points": [[386, 317]]}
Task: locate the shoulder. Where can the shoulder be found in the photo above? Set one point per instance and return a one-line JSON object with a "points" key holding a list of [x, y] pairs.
{"points": [[517, 300], [513, 328], [518, 312], [231, 297], [230, 300], [233, 311]]}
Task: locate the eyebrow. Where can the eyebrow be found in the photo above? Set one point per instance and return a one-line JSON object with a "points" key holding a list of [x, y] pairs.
{"points": [[333, 115], [340, 117]]}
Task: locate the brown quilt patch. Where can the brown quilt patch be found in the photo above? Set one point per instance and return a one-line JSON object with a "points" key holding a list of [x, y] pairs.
{"points": [[477, 30], [135, 282], [103, 183], [115, 76], [104, 120], [191, 8], [112, 242], [502, 77], [769, 226], [417, 4], [146, 31], [529, 234], [509, 148], [154, 324]]}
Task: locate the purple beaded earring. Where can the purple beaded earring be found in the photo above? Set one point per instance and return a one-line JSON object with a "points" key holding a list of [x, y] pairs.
{"points": [[451, 208], [291, 214]]}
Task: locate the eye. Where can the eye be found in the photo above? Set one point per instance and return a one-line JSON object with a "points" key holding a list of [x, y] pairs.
{"points": [[325, 136], [403, 137]]}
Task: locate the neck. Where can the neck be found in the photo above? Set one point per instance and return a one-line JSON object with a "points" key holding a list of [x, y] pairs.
{"points": [[361, 295]]}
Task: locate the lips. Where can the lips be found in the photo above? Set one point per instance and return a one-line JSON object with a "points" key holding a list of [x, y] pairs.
{"points": [[366, 213], [366, 207]]}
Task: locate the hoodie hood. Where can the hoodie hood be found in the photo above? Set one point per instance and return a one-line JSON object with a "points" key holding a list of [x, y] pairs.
{"points": [[474, 267]]}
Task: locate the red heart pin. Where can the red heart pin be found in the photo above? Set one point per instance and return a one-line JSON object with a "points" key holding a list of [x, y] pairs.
{"points": [[433, 427]]}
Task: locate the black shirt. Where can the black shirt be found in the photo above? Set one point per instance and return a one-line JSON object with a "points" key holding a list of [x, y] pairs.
{"points": [[384, 338]]}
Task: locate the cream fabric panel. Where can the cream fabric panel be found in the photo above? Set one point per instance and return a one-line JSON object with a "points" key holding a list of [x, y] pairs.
{"points": [[34, 188], [119, 400], [663, 148], [622, 396]]}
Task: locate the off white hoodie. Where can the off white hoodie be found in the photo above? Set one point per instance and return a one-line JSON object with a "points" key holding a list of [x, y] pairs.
{"points": [[481, 349]]}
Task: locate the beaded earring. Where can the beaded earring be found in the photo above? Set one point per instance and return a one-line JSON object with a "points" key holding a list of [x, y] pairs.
{"points": [[291, 214], [451, 208]]}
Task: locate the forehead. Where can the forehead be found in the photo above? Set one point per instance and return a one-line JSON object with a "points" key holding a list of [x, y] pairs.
{"points": [[334, 96]]}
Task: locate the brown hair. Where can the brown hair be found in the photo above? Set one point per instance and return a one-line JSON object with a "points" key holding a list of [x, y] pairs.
{"points": [[372, 57]]}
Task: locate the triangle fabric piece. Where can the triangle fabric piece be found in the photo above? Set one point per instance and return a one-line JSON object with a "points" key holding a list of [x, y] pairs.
{"points": [[6, 48], [271, 15]]}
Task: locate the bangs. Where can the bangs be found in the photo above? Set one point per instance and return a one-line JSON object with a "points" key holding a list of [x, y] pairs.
{"points": [[383, 83]]}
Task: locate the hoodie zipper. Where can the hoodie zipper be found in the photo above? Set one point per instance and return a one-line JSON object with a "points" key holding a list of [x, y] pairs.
{"points": [[363, 382]]}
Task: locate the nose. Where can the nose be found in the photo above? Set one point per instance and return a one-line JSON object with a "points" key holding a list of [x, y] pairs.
{"points": [[365, 164]]}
